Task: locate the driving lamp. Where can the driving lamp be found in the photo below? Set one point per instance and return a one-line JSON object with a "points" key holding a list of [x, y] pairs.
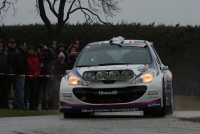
{"points": [[127, 74], [89, 75]]}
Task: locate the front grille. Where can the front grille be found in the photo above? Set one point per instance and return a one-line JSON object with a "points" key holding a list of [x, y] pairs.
{"points": [[112, 95]]}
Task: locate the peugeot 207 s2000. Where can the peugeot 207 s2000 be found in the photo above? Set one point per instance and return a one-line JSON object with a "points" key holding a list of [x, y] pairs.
{"points": [[117, 76]]}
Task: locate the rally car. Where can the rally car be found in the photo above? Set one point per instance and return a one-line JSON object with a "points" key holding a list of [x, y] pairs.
{"points": [[117, 76]]}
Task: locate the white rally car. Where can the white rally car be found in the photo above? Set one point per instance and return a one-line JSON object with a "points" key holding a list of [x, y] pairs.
{"points": [[117, 75]]}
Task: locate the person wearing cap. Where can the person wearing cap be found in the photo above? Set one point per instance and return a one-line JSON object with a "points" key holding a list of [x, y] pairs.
{"points": [[31, 77], [45, 56], [59, 66], [20, 68], [3, 79]]}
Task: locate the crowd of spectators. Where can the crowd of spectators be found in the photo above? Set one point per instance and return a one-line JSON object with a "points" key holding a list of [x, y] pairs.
{"points": [[31, 73]]}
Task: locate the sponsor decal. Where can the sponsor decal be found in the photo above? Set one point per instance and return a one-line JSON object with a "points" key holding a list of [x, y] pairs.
{"points": [[124, 110], [152, 93], [142, 68], [154, 104], [67, 95], [115, 92], [87, 110], [65, 107], [110, 110], [65, 99], [153, 97]]}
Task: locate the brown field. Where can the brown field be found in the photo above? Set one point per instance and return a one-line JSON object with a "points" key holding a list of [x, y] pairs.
{"points": [[186, 103]]}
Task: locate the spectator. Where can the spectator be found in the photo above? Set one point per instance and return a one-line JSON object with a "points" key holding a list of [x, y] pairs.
{"points": [[30, 81], [59, 66], [20, 67], [3, 79], [45, 56], [62, 48], [73, 54], [75, 43], [54, 46], [10, 81]]}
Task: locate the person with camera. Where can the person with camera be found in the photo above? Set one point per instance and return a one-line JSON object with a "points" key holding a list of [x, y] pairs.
{"points": [[45, 56]]}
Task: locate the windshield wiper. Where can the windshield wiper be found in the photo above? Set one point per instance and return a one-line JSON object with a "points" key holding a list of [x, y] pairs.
{"points": [[105, 64]]}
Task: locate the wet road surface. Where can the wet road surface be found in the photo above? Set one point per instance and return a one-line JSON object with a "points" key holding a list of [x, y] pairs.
{"points": [[101, 124]]}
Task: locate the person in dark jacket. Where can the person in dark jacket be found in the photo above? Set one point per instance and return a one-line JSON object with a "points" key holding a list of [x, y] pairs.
{"points": [[45, 56], [3, 79], [62, 48], [73, 54], [54, 46], [31, 77], [59, 66], [10, 81], [20, 68]]}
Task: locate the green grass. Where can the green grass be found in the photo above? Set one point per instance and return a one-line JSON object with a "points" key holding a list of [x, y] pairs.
{"points": [[17, 113]]}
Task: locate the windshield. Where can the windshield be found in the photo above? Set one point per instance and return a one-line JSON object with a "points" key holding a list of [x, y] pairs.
{"points": [[97, 55]]}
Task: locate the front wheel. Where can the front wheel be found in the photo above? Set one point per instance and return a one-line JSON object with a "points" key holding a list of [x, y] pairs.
{"points": [[163, 112]]}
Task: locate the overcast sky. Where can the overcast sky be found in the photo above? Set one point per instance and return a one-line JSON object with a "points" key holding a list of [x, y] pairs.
{"points": [[168, 12]]}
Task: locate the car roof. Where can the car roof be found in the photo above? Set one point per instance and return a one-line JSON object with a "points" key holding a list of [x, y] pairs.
{"points": [[121, 41]]}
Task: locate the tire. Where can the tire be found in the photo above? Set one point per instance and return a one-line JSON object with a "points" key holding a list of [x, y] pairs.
{"points": [[68, 115], [163, 112], [170, 108]]}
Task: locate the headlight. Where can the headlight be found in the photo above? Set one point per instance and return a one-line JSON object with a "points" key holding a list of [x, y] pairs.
{"points": [[75, 80], [144, 78]]}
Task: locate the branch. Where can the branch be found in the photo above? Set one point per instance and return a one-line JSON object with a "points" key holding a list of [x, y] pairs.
{"points": [[52, 7], [95, 8], [40, 4], [5, 6]]}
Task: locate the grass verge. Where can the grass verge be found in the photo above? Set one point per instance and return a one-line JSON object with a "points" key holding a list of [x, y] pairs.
{"points": [[19, 113]]}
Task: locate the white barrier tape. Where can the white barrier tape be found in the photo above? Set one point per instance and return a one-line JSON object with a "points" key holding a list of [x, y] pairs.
{"points": [[31, 75]]}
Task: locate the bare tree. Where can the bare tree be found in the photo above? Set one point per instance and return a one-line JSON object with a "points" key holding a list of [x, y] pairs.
{"points": [[91, 10]]}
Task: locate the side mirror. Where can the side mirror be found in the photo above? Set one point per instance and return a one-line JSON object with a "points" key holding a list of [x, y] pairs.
{"points": [[164, 68], [67, 71]]}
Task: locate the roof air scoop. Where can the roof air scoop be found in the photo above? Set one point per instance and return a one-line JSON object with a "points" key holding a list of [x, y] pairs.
{"points": [[116, 41]]}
